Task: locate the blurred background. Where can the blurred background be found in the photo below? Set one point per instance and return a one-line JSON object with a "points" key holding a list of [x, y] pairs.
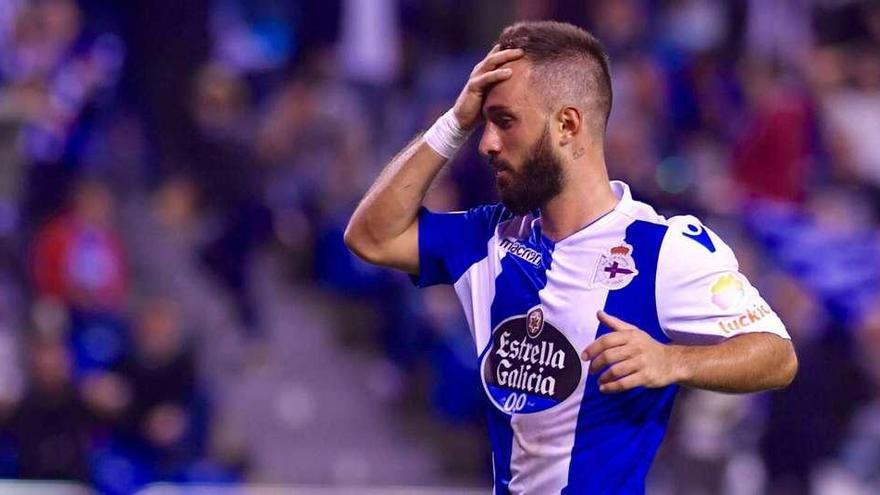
{"points": [[177, 305]]}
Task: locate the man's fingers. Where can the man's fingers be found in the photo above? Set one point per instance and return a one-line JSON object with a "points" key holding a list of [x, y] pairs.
{"points": [[496, 59], [628, 382], [503, 57], [619, 371], [480, 83], [603, 343], [609, 357], [613, 322]]}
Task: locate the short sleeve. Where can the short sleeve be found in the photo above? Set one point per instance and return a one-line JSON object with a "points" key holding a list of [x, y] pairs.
{"points": [[701, 295], [449, 243]]}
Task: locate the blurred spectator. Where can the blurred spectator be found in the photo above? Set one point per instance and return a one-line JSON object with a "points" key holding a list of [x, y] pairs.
{"points": [[621, 25], [780, 30], [54, 71], [860, 451], [165, 418], [222, 163], [370, 53], [776, 136], [51, 423], [253, 36], [79, 256], [794, 443], [167, 41], [853, 118], [224, 167], [697, 26], [79, 260]]}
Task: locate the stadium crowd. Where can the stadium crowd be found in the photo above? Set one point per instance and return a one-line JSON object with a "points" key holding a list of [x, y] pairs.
{"points": [[257, 125]]}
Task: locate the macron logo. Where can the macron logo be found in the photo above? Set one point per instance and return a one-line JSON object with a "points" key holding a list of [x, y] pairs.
{"points": [[520, 251]]}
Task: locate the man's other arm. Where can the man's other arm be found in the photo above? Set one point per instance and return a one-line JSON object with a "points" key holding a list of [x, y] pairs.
{"points": [[749, 362], [725, 337], [746, 363]]}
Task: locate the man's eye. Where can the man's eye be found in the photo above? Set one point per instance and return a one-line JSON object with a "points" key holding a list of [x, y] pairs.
{"points": [[504, 122]]}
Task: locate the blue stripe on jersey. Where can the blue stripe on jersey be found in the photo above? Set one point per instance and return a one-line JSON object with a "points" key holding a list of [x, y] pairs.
{"points": [[516, 291], [617, 435], [450, 243]]}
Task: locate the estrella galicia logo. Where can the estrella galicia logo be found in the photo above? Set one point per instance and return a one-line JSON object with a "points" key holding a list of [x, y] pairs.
{"points": [[530, 365]]}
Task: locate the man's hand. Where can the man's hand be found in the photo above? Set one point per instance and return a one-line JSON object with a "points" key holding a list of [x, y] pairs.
{"points": [[469, 104], [634, 358]]}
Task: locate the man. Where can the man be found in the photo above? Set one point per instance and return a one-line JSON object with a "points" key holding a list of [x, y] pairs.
{"points": [[569, 266]]}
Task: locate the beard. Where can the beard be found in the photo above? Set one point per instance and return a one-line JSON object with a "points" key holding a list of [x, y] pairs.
{"points": [[539, 180]]}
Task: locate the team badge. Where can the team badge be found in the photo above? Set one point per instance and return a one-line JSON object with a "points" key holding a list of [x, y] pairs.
{"points": [[536, 322], [616, 269]]}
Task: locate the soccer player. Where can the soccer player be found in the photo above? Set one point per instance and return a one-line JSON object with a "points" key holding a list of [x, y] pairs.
{"points": [[587, 308]]}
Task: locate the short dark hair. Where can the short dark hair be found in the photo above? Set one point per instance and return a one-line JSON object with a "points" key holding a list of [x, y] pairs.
{"points": [[570, 63]]}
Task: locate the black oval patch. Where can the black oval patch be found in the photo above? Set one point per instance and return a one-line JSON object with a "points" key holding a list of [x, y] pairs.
{"points": [[525, 371]]}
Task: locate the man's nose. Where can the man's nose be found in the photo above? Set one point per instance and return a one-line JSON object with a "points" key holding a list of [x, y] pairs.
{"points": [[490, 144]]}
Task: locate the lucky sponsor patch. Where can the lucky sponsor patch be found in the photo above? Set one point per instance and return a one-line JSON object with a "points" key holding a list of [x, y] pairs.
{"points": [[752, 315]]}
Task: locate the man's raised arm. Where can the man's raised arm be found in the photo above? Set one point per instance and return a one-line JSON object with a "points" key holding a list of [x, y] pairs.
{"points": [[384, 228]]}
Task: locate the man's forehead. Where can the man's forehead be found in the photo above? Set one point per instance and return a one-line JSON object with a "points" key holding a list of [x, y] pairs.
{"points": [[513, 92]]}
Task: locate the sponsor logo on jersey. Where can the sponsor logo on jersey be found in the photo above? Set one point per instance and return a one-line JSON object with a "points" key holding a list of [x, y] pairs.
{"points": [[530, 365], [701, 235], [520, 251], [616, 269], [752, 315], [728, 291]]}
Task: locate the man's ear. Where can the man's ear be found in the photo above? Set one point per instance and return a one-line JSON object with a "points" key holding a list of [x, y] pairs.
{"points": [[570, 121]]}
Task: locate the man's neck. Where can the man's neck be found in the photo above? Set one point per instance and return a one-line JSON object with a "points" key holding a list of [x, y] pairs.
{"points": [[586, 197]]}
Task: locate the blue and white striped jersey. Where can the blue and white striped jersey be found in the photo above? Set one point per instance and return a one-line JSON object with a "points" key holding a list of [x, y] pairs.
{"points": [[531, 304]]}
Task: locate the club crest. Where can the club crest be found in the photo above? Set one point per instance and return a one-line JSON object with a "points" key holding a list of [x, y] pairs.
{"points": [[616, 269], [535, 322]]}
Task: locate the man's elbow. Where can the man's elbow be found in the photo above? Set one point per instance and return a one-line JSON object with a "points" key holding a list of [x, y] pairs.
{"points": [[358, 243], [354, 240], [789, 368]]}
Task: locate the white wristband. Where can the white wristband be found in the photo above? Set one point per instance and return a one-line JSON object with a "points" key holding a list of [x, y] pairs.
{"points": [[446, 135]]}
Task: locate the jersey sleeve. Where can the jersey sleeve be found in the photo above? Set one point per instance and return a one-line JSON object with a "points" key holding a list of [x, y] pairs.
{"points": [[449, 243], [702, 298]]}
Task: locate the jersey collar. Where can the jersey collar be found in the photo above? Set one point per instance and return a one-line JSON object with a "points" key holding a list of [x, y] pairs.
{"points": [[625, 205], [621, 190]]}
